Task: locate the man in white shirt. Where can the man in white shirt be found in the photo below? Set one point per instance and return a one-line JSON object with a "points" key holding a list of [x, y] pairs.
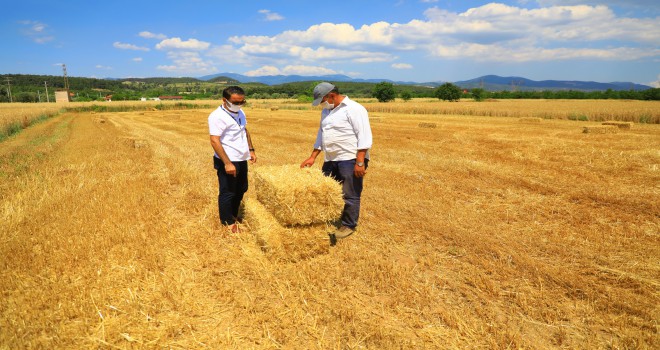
{"points": [[232, 145], [345, 137]]}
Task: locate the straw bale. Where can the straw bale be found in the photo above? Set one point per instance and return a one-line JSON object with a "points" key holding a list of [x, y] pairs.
{"points": [[427, 125], [264, 226], [620, 125], [600, 129], [284, 243], [274, 108], [529, 120], [298, 196]]}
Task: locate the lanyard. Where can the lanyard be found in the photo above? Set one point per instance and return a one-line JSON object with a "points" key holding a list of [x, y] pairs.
{"points": [[238, 121]]}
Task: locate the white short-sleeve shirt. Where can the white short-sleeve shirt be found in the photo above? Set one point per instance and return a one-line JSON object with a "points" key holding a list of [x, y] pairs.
{"points": [[343, 131], [231, 129]]}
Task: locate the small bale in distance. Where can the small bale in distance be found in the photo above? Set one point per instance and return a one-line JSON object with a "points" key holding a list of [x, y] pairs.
{"points": [[427, 125], [298, 196], [529, 120], [600, 129], [274, 108], [618, 124]]}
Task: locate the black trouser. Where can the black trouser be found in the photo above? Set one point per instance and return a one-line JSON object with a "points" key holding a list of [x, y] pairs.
{"points": [[232, 189]]}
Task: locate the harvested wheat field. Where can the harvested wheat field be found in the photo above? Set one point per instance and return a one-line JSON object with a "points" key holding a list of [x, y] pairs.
{"points": [[483, 232]]}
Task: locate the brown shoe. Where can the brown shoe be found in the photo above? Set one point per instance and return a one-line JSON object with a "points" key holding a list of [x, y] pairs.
{"points": [[343, 232]]}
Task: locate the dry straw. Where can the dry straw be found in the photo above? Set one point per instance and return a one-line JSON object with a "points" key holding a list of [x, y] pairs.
{"points": [[284, 243], [427, 125], [600, 129], [529, 120], [298, 196], [618, 124]]}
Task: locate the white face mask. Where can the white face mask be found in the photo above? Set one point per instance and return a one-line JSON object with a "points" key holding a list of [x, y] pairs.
{"points": [[232, 107], [326, 105]]}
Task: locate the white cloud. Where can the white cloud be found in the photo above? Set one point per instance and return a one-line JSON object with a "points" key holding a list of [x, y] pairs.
{"points": [[177, 43], [402, 66], [150, 35], [655, 84], [265, 70], [36, 31], [428, 1], [137, 59], [103, 67], [271, 16], [123, 46], [187, 62], [290, 70], [492, 32]]}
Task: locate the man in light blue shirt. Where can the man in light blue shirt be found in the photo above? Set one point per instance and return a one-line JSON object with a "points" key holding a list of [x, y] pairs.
{"points": [[344, 136]]}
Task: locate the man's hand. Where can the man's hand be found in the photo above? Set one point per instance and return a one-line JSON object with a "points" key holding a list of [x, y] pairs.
{"points": [[230, 169], [359, 171], [307, 163], [253, 157]]}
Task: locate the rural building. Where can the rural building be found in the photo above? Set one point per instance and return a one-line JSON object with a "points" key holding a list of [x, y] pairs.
{"points": [[62, 97]]}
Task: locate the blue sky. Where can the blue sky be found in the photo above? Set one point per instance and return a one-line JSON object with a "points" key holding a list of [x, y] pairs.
{"points": [[409, 40]]}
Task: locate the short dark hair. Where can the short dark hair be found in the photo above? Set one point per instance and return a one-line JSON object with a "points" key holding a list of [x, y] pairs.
{"points": [[231, 90], [335, 90]]}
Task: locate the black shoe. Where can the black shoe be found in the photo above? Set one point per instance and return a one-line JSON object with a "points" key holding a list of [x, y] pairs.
{"points": [[333, 239]]}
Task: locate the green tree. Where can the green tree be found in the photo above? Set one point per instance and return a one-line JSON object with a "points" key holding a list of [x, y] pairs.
{"points": [[384, 92], [448, 92], [478, 94], [406, 95]]}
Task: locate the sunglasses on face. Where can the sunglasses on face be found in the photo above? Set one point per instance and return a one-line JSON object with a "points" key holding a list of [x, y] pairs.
{"points": [[238, 103]]}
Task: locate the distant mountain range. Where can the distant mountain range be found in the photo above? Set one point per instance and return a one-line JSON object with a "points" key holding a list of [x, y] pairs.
{"points": [[487, 82]]}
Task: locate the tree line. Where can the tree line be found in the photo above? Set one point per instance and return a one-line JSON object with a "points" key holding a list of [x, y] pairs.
{"points": [[32, 88]]}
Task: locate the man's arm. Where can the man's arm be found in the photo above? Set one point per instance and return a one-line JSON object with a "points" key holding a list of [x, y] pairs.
{"points": [[317, 150], [253, 155], [230, 169], [310, 161]]}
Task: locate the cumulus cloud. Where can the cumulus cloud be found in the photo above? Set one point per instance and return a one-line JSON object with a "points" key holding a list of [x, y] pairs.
{"points": [[137, 59], [123, 46], [492, 32], [271, 16], [402, 66], [187, 62], [177, 43], [150, 35], [290, 70], [37, 31], [655, 84]]}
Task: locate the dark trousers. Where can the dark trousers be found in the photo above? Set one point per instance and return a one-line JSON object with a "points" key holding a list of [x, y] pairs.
{"points": [[232, 189], [342, 171]]}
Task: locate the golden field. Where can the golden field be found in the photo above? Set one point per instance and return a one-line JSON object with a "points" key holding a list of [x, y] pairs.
{"points": [[481, 232]]}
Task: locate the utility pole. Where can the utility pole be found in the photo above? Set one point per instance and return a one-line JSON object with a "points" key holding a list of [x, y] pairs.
{"points": [[39, 95], [9, 89], [46, 85]]}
